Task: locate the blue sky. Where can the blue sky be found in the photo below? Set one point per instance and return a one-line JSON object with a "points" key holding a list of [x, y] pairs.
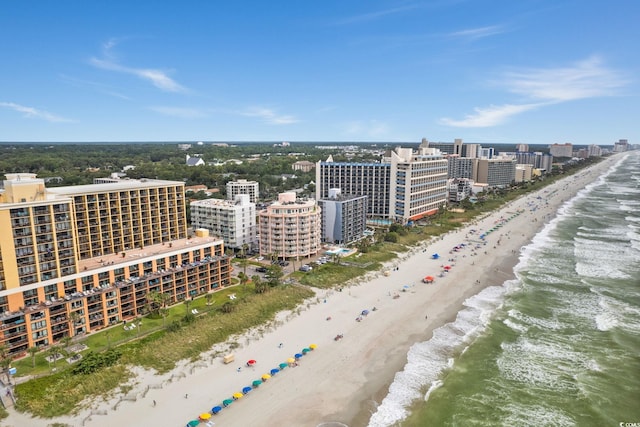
{"points": [[493, 71]]}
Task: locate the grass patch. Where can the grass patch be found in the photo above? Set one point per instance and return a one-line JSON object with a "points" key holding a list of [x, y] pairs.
{"points": [[61, 393]]}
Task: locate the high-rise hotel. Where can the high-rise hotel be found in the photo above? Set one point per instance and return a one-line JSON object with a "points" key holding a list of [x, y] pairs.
{"points": [[405, 186], [77, 259]]}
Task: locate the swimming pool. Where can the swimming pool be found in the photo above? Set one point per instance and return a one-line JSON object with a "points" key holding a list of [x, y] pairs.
{"points": [[340, 251]]}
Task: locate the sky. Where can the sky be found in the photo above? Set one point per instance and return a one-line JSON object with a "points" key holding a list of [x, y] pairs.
{"points": [[485, 71]]}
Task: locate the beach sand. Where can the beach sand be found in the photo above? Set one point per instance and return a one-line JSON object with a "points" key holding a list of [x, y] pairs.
{"points": [[340, 381]]}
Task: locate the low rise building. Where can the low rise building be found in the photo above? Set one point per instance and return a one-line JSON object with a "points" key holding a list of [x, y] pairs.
{"points": [[77, 259]]}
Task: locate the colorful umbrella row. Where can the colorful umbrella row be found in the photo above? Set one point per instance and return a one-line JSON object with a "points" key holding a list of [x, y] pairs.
{"points": [[255, 384]]}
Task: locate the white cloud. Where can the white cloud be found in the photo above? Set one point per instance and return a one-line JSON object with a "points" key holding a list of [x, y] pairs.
{"points": [[478, 33], [372, 16], [489, 116], [542, 87], [158, 78], [30, 112], [586, 79], [269, 116], [183, 113]]}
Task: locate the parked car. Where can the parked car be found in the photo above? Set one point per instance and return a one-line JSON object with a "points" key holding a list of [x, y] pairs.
{"points": [[260, 258], [283, 263], [261, 269], [306, 268]]}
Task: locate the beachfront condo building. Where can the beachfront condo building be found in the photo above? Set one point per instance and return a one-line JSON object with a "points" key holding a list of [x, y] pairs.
{"points": [[365, 179], [455, 147], [497, 172], [77, 259], [290, 227], [233, 221], [561, 150], [344, 217], [242, 186], [405, 186]]}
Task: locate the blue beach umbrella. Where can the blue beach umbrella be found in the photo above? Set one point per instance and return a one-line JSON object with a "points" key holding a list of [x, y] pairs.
{"points": [[216, 409]]}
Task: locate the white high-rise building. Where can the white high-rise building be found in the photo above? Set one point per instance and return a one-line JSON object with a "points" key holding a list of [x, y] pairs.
{"points": [[233, 221], [242, 186]]}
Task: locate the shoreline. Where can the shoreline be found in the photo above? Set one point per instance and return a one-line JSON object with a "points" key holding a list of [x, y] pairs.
{"points": [[341, 381]]}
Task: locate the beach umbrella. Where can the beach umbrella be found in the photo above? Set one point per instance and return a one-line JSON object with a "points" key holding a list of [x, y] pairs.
{"points": [[291, 360], [274, 371], [297, 356], [306, 350], [227, 402], [283, 365], [266, 377], [193, 423], [237, 395], [246, 390], [447, 267], [256, 383], [216, 409], [205, 416], [251, 362], [313, 346]]}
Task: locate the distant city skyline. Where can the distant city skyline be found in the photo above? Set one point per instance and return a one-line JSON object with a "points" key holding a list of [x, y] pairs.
{"points": [[485, 71]]}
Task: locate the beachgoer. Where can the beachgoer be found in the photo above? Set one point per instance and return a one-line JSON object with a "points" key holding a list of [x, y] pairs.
{"points": [[186, 395], [239, 369], [280, 345], [154, 403]]}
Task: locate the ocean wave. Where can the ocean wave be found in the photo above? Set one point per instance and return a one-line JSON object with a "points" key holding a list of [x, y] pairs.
{"points": [[426, 361], [539, 363], [536, 415]]}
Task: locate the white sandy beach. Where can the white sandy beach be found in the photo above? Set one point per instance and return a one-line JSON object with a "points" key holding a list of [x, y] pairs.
{"points": [[340, 381]]}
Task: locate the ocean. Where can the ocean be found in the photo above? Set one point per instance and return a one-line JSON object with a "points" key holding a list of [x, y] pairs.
{"points": [[559, 345]]}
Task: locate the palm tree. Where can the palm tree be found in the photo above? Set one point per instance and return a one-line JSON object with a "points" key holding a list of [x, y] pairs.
{"points": [[5, 361], [32, 351], [243, 260], [66, 342], [208, 298], [74, 318], [164, 312], [244, 279], [107, 335], [154, 301], [53, 352]]}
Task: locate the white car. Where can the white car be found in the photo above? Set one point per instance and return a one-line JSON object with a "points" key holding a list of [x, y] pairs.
{"points": [[260, 258]]}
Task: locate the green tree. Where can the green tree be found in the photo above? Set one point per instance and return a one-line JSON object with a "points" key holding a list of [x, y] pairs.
{"points": [[32, 352], [5, 361], [275, 274]]}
